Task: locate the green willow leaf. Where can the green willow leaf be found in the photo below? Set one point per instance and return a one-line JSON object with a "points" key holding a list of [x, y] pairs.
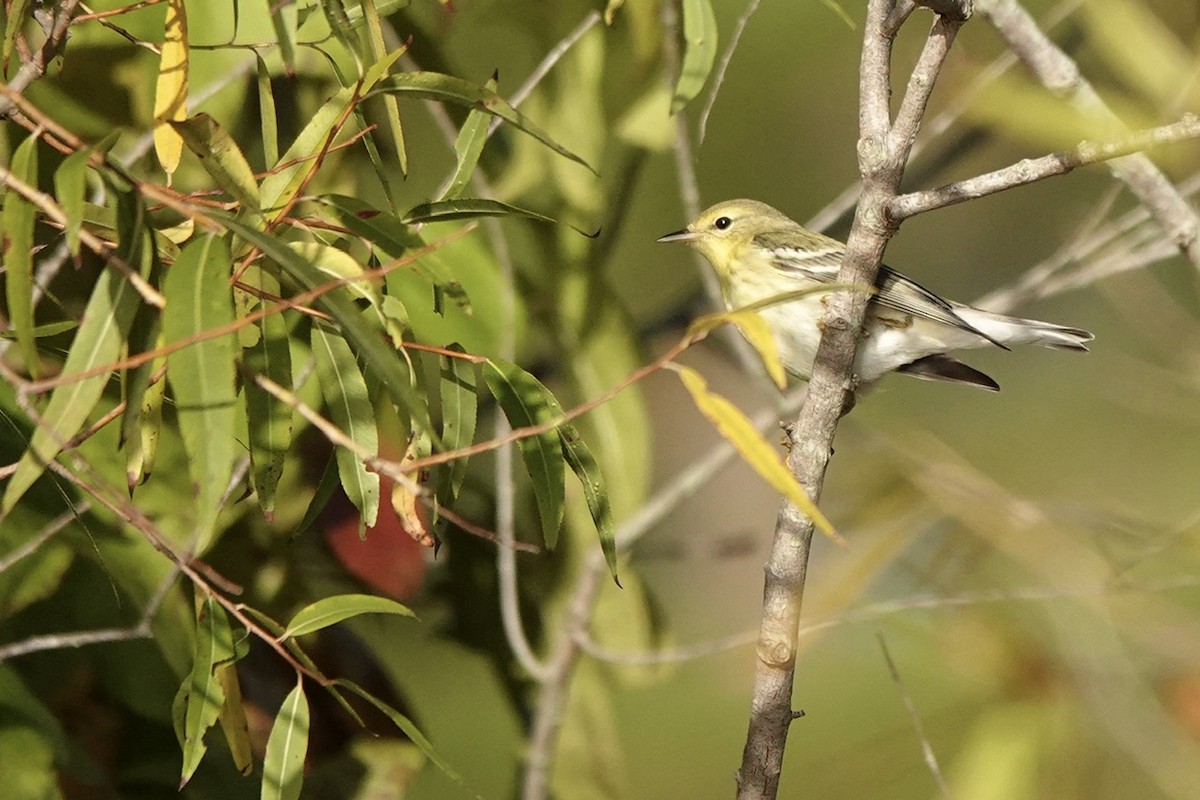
{"points": [[283, 764], [17, 14], [269, 418], [470, 208], [436, 86], [326, 487], [202, 374], [460, 410], [406, 726], [525, 402], [468, 146], [332, 610], [19, 217], [223, 160], [284, 18], [350, 408], [70, 187], [585, 466], [389, 367], [204, 695], [391, 108], [699, 51], [266, 112], [102, 332], [301, 160]]}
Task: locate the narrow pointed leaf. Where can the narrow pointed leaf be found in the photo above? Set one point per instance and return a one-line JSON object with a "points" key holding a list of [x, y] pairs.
{"points": [[171, 90], [407, 726], [471, 208], [391, 108], [19, 216], [302, 159], [269, 418], [233, 720], [283, 764], [387, 365], [525, 402], [460, 411], [436, 86], [757, 333], [754, 449], [585, 466], [102, 331], [17, 14], [468, 147], [699, 51], [326, 487], [204, 695], [332, 610], [70, 187], [199, 299], [350, 408], [285, 20], [222, 159], [266, 113]]}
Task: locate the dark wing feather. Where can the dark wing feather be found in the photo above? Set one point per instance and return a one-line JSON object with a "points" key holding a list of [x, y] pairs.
{"points": [[893, 290]]}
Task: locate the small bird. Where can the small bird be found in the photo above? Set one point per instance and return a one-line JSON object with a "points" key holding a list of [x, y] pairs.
{"points": [[758, 253]]}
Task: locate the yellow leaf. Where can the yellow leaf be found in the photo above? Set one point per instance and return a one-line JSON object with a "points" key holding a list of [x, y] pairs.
{"points": [[757, 333], [754, 449], [170, 93]]}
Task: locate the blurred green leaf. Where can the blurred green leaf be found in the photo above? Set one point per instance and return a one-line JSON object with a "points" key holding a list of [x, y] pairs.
{"points": [[202, 372], [471, 208], [19, 216], [391, 109], [283, 764], [350, 408], [435, 86], [70, 187], [233, 720], [332, 610], [460, 410], [327, 486], [266, 113], [269, 418], [526, 402], [98, 341], [222, 158], [405, 725], [204, 695], [699, 51], [16, 15], [392, 371], [468, 146], [284, 18]]}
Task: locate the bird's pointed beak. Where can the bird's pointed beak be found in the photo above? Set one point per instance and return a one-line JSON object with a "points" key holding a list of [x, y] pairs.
{"points": [[684, 235]]}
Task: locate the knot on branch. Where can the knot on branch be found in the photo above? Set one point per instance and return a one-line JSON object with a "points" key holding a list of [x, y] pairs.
{"points": [[874, 154], [776, 653]]}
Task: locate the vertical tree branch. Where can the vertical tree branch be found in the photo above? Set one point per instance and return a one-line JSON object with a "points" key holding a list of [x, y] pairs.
{"points": [[881, 154]]}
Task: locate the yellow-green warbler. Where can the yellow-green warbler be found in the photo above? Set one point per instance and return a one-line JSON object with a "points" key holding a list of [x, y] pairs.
{"points": [[759, 253]]}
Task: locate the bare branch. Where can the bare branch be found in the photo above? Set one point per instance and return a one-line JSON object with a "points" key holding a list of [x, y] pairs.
{"points": [[1058, 72], [735, 37], [1037, 169]]}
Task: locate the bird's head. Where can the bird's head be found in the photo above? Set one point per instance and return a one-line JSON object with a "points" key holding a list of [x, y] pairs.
{"points": [[721, 232]]}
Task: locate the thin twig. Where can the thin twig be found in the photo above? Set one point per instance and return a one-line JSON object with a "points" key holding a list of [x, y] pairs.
{"points": [[718, 75], [915, 717], [35, 68], [35, 542]]}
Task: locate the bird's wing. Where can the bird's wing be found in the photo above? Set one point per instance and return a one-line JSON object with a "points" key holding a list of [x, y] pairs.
{"points": [[892, 290]]}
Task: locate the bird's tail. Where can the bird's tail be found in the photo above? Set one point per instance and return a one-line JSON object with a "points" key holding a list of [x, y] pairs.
{"points": [[1014, 330]]}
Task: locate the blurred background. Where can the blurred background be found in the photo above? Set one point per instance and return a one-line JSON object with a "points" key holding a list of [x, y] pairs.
{"points": [[1029, 559]]}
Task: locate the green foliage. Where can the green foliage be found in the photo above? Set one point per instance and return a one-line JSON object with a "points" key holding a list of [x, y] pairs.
{"points": [[372, 250]]}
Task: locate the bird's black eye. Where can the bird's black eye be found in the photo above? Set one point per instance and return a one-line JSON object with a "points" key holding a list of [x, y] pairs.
{"points": [[722, 223]]}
